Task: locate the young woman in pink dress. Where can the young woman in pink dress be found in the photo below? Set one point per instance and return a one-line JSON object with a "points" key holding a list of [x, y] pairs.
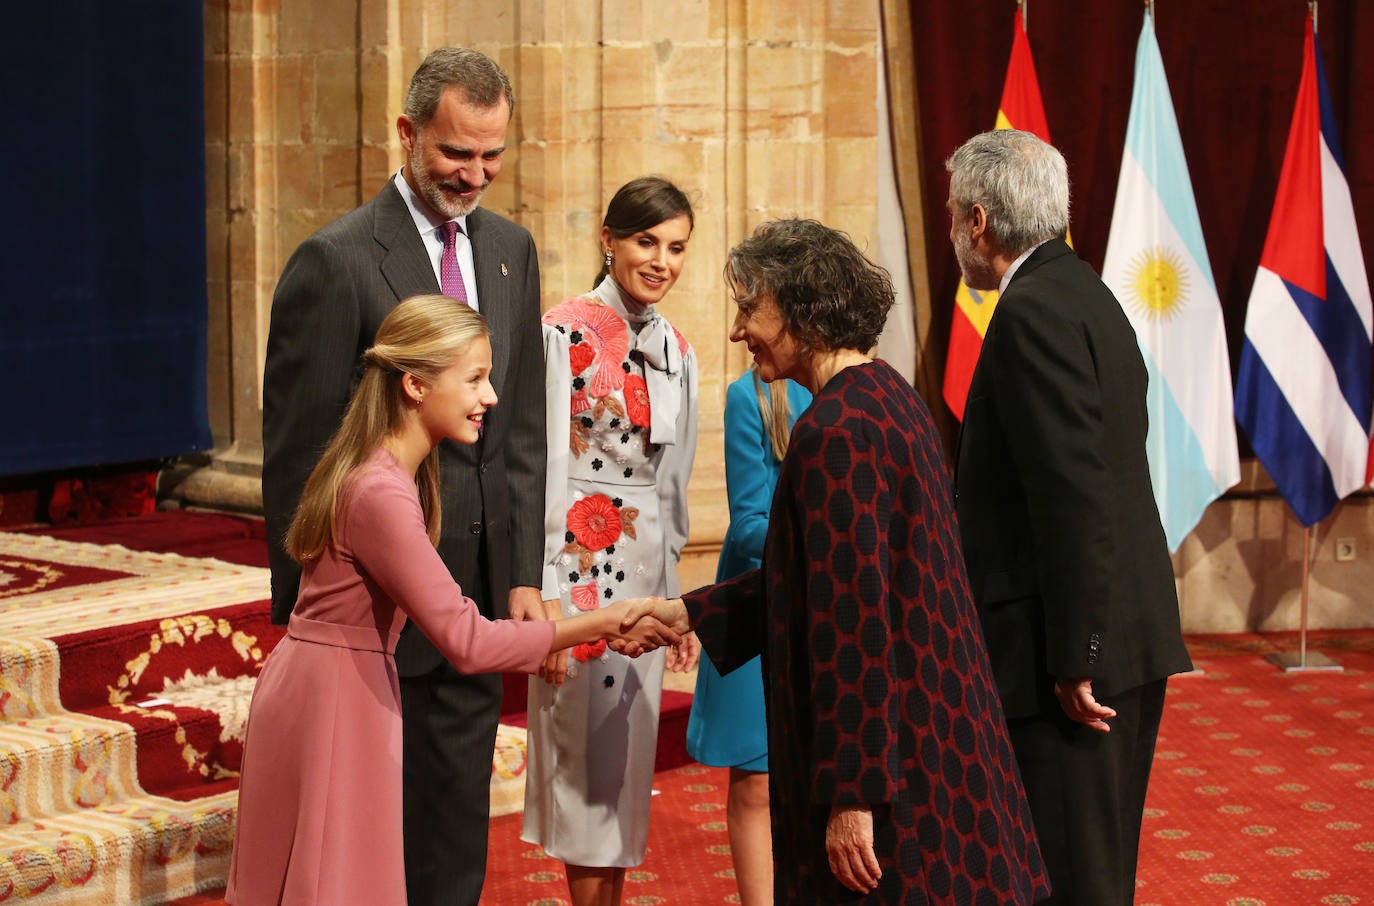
{"points": [[320, 797]]}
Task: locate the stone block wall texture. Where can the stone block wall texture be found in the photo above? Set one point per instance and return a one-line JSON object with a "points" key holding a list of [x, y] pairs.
{"points": [[757, 108]]}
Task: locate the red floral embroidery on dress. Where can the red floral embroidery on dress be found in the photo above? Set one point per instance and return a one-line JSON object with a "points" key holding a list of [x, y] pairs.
{"points": [[637, 400], [585, 653], [586, 597], [604, 331], [594, 522], [682, 344], [580, 355], [580, 403]]}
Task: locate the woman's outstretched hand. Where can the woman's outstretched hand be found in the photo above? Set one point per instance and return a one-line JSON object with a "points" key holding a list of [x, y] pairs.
{"points": [[683, 657], [649, 623], [639, 630]]}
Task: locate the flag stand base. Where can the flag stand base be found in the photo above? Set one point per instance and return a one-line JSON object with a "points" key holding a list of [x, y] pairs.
{"points": [[1303, 662]]}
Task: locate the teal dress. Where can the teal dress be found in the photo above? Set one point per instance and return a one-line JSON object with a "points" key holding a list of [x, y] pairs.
{"points": [[728, 727]]}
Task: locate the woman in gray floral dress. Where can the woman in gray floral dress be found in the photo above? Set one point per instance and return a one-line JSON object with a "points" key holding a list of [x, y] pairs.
{"points": [[621, 384]]}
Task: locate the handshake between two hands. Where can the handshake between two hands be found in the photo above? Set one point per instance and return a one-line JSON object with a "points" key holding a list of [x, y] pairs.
{"points": [[633, 627], [649, 623]]}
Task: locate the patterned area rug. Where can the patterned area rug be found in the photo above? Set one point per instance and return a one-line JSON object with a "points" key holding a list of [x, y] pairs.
{"points": [[123, 678], [121, 693], [1262, 795]]}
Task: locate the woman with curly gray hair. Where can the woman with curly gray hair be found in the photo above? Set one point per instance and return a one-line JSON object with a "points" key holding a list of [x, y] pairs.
{"points": [[892, 778]]}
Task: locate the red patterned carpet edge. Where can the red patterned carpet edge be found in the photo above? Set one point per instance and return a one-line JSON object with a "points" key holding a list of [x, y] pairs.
{"points": [[190, 749], [25, 575], [124, 671], [235, 539]]}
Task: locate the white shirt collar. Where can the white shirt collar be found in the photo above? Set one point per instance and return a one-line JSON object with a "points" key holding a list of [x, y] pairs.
{"points": [[1015, 266]]}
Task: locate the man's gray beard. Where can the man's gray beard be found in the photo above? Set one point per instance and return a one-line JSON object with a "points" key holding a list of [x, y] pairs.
{"points": [[434, 196], [976, 272]]}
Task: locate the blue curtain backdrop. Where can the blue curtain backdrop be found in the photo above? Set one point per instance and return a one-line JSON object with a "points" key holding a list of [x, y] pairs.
{"points": [[102, 234]]}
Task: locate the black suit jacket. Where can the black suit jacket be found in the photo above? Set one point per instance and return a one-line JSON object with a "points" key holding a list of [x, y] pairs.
{"points": [[333, 294], [1068, 562]]}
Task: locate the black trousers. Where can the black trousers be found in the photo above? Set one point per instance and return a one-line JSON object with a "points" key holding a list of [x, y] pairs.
{"points": [[1087, 793], [448, 724]]}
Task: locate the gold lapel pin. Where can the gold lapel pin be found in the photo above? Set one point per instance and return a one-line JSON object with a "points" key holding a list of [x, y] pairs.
{"points": [[504, 272]]}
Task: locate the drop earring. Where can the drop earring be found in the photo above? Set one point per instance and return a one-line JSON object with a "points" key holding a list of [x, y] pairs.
{"points": [[608, 258]]}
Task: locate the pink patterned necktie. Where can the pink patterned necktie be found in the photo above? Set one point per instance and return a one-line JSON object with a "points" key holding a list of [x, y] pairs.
{"points": [[450, 275]]}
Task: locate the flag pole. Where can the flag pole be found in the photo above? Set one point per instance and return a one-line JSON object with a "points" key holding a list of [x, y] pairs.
{"points": [[1025, 25], [1302, 661], [1316, 661]]}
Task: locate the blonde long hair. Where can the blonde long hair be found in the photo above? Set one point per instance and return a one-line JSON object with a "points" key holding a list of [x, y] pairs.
{"points": [[777, 414], [422, 336]]}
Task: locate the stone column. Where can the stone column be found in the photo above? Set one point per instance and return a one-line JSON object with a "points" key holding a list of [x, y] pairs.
{"points": [[284, 153]]}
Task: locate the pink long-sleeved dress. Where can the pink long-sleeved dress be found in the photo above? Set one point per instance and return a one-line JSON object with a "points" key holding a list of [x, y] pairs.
{"points": [[319, 816]]}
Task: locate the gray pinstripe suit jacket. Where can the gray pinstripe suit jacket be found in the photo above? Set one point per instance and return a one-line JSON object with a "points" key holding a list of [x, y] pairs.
{"points": [[333, 294]]}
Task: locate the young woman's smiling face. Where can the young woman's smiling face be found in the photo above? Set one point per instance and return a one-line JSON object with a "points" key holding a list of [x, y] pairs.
{"points": [[456, 402]]}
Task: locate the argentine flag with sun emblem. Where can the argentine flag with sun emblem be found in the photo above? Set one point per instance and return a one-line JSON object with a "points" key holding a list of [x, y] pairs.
{"points": [[1303, 393], [1157, 266]]}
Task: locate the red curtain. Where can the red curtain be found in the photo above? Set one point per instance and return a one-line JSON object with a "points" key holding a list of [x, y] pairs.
{"points": [[1233, 70]]}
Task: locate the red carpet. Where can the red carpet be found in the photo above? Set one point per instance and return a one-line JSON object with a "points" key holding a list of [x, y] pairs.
{"points": [[1263, 791], [236, 539], [1262, 795], [688, 860], [1263, 785]]}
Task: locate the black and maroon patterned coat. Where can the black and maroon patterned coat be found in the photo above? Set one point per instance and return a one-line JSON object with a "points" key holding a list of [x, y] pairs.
{"points": [[875, 674]]}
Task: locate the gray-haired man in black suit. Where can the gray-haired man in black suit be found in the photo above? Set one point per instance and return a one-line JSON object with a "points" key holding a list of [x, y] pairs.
{"points": [[334, 292], [1065, 553]]}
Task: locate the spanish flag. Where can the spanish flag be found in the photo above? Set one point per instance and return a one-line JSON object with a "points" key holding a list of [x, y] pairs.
{"points": [[1021, 108]]}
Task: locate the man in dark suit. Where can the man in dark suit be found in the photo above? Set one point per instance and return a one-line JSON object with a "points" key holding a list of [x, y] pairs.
{"points": [[334, 292], [1062, 539]]}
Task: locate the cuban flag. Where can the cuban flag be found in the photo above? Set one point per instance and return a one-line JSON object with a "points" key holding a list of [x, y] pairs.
{"points": [[1157, 267], [1303, 391]]}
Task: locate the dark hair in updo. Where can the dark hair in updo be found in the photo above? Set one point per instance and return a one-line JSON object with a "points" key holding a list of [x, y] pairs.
{"points": [[829, 294]]}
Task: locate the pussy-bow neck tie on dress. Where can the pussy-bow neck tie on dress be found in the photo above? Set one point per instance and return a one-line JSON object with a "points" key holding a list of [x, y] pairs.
{"points": [[656, 341]]}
